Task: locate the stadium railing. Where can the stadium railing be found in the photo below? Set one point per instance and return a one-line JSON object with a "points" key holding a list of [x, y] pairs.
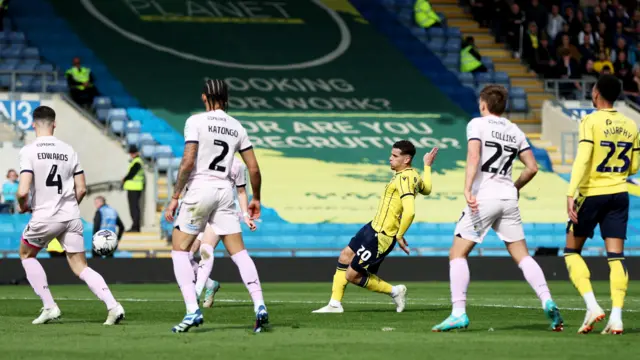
{"points": [[586, 83], [46, 78], [569, 147]]}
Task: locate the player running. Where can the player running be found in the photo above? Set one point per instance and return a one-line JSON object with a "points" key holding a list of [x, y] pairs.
{"points": [[51, 170], [211, 140], [607, 154], [207, 244], [492, 202], [360, 260]]}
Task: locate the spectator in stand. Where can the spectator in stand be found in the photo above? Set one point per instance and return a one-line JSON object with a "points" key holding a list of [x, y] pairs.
{"points": [[481, 11], [603, 35], [4, 7], [569, 68], [634, 54], [604, 47], [623, 69], [603, 13], [621, 16], [587, 31], [589, 69], [9, 190], [606, 70], [636, 79], [572, 49], [555, 22], [619, 33], [470, 59], [565, 31], [537, 13], [425, 16], [81, 84], [577, 24], [597, 18], [530, 43], [636, 34], [545, 59], [587, 49], [515, 23], [602, 62], [621, 47]]}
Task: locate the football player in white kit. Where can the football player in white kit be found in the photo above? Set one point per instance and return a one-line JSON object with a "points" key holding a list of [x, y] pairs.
{"points": [[205, 245], [492, 202], [211, 140], [51, 172]]}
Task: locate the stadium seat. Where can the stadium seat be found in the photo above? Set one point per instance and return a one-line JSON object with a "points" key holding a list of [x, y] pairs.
{"points": [[452, 62], [117, 114], [467, 79], [133, 139], [102, 114], [102, 102], [517, 93], [31, 53], [488, 63], [117, 126], [502, 78], [436, 45], [485, 77], [436, 33], [518, 105], [452, 46], [133, 126]]}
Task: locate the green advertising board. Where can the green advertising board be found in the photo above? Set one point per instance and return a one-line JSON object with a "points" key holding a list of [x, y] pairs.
{"points": [[281, 55]]}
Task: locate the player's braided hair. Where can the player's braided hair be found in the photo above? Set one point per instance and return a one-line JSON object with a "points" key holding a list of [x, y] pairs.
{"points": [[216, 91]]}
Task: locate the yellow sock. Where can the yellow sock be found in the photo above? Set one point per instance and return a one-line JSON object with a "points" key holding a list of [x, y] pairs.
{"points": [[618, 278], [376, 284], [339, 282], [578, 271]]}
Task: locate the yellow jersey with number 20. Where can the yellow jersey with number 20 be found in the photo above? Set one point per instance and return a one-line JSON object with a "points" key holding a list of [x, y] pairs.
{"points": [[613, 139]]}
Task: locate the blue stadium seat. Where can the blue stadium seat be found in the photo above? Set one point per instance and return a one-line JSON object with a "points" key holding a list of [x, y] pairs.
{"points": [[117, 114], [163, 151], [452, 62], [117, 126], [484, 77], [102, 102], [502, 78], [12, 52], [31, 53], [436, 45], [59, 86], [102, 114], [406, 16], [436, 33], [26, 67], [44, 67], [134, 126], [31, 62], [488, 63], [7, 66], [452, 46], [453, 33], [467, 79], [14, 62], [133, 139], [517, 93], [518, 105]]}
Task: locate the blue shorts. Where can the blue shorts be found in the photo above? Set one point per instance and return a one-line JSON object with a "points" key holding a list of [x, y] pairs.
{"points": [[610, 211], [371, 248]]}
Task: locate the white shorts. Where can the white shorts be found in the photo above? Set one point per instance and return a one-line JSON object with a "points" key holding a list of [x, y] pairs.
{"points": [[501, 215], [206, 205], [69, 234]]}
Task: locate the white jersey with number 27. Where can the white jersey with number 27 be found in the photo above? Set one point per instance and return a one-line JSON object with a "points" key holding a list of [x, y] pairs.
{"points": [[219, 136], [53, 164], [501, 143]]}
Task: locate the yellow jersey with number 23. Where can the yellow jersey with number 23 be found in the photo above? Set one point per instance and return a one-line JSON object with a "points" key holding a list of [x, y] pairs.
{"points": [[613, 139]]}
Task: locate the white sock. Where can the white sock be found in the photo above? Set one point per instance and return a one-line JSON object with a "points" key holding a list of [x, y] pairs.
{"points": [[590, 300], [616, 314], [394, 290], [335, 303], [257, 304], [458, 311]]}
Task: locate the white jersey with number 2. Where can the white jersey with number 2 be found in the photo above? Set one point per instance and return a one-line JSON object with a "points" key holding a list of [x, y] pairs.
{"points": [[501, 143], [219, 136], [53, 164]]}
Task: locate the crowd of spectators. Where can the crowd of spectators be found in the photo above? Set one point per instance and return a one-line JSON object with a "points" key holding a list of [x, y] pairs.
{"points": [[569, 39]]}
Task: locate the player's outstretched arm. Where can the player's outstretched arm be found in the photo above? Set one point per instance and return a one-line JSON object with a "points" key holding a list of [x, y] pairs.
{"points": [[428, 159], [530, 168], [26, 179], [408, 214], [80, 186]]}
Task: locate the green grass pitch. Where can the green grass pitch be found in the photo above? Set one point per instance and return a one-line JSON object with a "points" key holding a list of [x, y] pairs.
{"points": [[506, 323]]}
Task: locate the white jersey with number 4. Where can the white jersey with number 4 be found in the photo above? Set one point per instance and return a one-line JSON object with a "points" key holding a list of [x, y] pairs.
{"points": [[219, 136], [53, 164], [501, 143]]}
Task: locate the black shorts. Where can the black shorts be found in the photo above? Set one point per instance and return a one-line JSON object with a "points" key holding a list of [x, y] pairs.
{"points": [[610, 211], [371, 248]]}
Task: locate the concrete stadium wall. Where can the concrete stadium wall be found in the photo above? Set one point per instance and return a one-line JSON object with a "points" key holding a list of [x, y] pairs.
{"points": [[305, 269], [103, 159]]}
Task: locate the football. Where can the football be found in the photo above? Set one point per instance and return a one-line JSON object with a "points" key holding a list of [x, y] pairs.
{"points": [[105, 242]]}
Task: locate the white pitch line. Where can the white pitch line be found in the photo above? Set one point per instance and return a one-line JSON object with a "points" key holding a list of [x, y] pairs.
{"points": [[413, 302]]}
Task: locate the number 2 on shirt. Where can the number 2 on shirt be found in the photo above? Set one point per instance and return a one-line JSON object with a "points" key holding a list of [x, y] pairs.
{"points": [[626, 146]]}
